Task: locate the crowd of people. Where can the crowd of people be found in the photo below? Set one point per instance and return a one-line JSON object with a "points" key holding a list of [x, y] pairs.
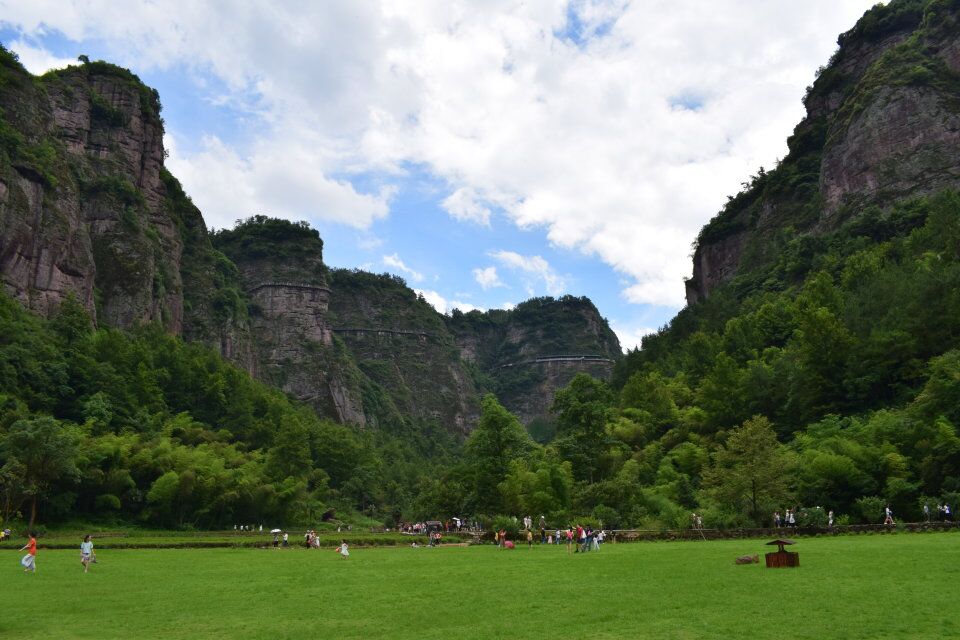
{"points": [[447, 526], [578, 539]]}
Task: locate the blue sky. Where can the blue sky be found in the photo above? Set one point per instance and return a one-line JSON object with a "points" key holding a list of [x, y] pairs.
{"points": [[486, 152]]}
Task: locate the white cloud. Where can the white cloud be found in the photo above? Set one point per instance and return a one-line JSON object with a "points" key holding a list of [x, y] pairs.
{"points": [[393, 261], [534, 266], [618, 141], [284, 178], [631, 336], [442, 305], [487, 278], [463, 204], [37, 60]]}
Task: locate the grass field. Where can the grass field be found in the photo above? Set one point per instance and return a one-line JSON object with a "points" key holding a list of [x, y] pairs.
{"points": [[172, 539], [890, 586]]}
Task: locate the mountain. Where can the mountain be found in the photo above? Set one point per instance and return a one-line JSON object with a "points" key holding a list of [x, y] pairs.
{"points": [[882, 126], [525, 355], [821, 329], [87, 209]]}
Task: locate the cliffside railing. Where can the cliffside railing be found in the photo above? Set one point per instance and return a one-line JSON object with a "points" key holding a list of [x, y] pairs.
{"points": [[572, 359], [398, 332], [290, 285]]}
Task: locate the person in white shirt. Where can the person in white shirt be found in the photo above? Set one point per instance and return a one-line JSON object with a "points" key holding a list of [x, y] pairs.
{"points": [[86, 552]]}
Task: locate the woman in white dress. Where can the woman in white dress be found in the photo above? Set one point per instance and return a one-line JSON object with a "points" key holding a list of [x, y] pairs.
{"points": [[344, 550], [86, 552]]}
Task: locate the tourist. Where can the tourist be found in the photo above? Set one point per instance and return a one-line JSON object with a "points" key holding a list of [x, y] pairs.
{"points": [[286, 539], [86, 552], [276, 540], [926, 512], [888, 516], [344, 550], [29, 561], [830, 518], [776, 519], [946, 512], [530, 538]]}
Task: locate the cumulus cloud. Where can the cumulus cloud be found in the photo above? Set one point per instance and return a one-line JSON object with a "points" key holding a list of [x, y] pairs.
{"points": [[442, 305], [394, 262], [487, 278], [36, 59], [616, 128], [282, 178], [534, 267], [631, 337], [463, 204]]}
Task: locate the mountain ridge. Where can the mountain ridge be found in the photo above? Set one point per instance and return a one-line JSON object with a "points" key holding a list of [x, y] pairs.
{"points": [[87, 208]]}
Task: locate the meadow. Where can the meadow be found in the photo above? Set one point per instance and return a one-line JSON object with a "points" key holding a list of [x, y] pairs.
{"points": [[882, 586]]}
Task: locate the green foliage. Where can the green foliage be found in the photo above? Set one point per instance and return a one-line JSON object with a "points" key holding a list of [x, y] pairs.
{"points": [[102, 112], [751, 472], [498, 440], [156, 429], [40, 159], [293, 250]]}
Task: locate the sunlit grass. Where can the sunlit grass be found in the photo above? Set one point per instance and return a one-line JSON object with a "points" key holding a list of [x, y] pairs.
{"points": [[847, 587]]}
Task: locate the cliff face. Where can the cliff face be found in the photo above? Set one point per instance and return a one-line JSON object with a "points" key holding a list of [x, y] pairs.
{"points": [[87, 209], [882, 125], [82, 202], [403, 346], [282, 283], [527, 354]]}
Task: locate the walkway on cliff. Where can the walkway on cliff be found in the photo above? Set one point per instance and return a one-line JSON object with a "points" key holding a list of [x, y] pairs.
{"points": [[572, 359]]}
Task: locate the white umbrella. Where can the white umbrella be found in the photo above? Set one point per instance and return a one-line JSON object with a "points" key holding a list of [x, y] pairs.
{"points": [[276, 531]]}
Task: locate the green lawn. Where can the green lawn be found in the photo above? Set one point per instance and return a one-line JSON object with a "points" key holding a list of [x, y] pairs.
{"points": [[144, 538], [884, 586]]}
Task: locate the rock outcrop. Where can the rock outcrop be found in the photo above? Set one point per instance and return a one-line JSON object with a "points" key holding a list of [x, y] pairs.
{"points": [[88, 210], [82, 202], [527, 354], [882, 125]]}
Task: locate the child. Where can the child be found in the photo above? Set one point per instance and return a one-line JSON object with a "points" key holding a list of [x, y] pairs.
{"points": [[29, 561], [86, 553], [344, 550]]}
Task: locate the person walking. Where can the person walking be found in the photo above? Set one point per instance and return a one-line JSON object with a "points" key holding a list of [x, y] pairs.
{"points": [[888, 516], [529, 538], [286, 539], [29, 561], [86, 553], [830, 518], [776, 519], [344, 549]]}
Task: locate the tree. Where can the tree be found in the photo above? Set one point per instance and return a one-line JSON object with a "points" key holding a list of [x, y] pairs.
{"points": [[583, 409], [752, 472], [498, 439], [46, 449]]}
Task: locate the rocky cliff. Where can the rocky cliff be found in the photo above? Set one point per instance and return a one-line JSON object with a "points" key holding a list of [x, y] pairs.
{"points": [[527, 354], [87, 209], [82, 201], [882, 125]]}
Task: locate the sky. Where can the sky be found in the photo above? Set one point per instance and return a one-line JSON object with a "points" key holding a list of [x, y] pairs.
{"points": [[485, 151]]}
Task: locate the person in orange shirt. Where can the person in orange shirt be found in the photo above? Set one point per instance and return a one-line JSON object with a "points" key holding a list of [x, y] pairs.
{"points": [[29, 561]]}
